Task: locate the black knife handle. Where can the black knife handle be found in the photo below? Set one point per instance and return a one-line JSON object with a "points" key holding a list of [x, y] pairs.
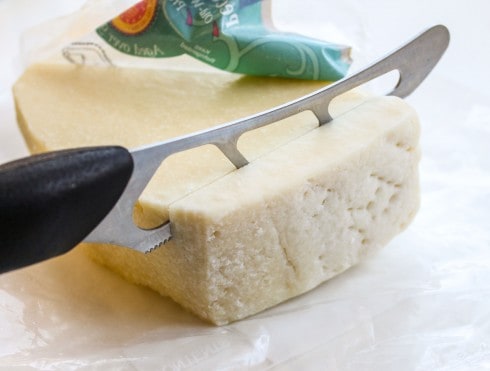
{"points": [[50, 202]]}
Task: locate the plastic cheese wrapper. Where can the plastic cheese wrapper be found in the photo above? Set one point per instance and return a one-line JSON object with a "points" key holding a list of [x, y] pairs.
{"points": [[233, 35]]}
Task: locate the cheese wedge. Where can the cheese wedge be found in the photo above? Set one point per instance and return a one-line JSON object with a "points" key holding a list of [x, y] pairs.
{"points": [[312, 203]]}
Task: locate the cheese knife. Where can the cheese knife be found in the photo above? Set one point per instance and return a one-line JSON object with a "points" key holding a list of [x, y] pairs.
{"points": [[51, 202]]}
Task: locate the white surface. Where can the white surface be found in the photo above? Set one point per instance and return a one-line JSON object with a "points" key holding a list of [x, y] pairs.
{"points": [[422, 303]]}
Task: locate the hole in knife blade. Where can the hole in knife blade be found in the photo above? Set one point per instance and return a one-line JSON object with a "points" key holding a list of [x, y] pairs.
{"points": [[257, 142], [379, 86], [179, 175], [383, 84]]}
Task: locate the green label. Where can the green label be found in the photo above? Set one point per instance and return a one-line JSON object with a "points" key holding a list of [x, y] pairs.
{"points": [[227, 34]]}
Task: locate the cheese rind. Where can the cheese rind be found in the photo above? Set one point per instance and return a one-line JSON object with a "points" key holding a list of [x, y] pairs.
{"points": [[299, 214]]}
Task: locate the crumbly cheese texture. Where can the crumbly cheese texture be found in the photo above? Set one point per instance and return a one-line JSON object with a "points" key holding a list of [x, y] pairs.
{"points": [[311, 204]]}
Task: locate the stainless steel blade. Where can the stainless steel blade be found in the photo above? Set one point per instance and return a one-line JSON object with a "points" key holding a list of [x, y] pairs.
{"points": [[413, 61]]}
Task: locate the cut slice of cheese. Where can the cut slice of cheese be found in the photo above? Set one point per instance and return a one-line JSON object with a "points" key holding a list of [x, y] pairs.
{"points": [[312, 203]]}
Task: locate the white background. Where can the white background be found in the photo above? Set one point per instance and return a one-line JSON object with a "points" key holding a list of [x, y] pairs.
{"points": [[423, 303]]}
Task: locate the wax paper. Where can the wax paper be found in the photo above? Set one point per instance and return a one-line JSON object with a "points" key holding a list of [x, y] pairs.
{"points": [[421, 303]]}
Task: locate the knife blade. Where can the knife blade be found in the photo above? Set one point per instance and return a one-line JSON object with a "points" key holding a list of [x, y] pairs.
{"points": [[51, 202]]}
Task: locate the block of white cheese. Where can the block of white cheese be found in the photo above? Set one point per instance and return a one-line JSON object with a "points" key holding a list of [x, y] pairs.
{"points": [[313, 202]]}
